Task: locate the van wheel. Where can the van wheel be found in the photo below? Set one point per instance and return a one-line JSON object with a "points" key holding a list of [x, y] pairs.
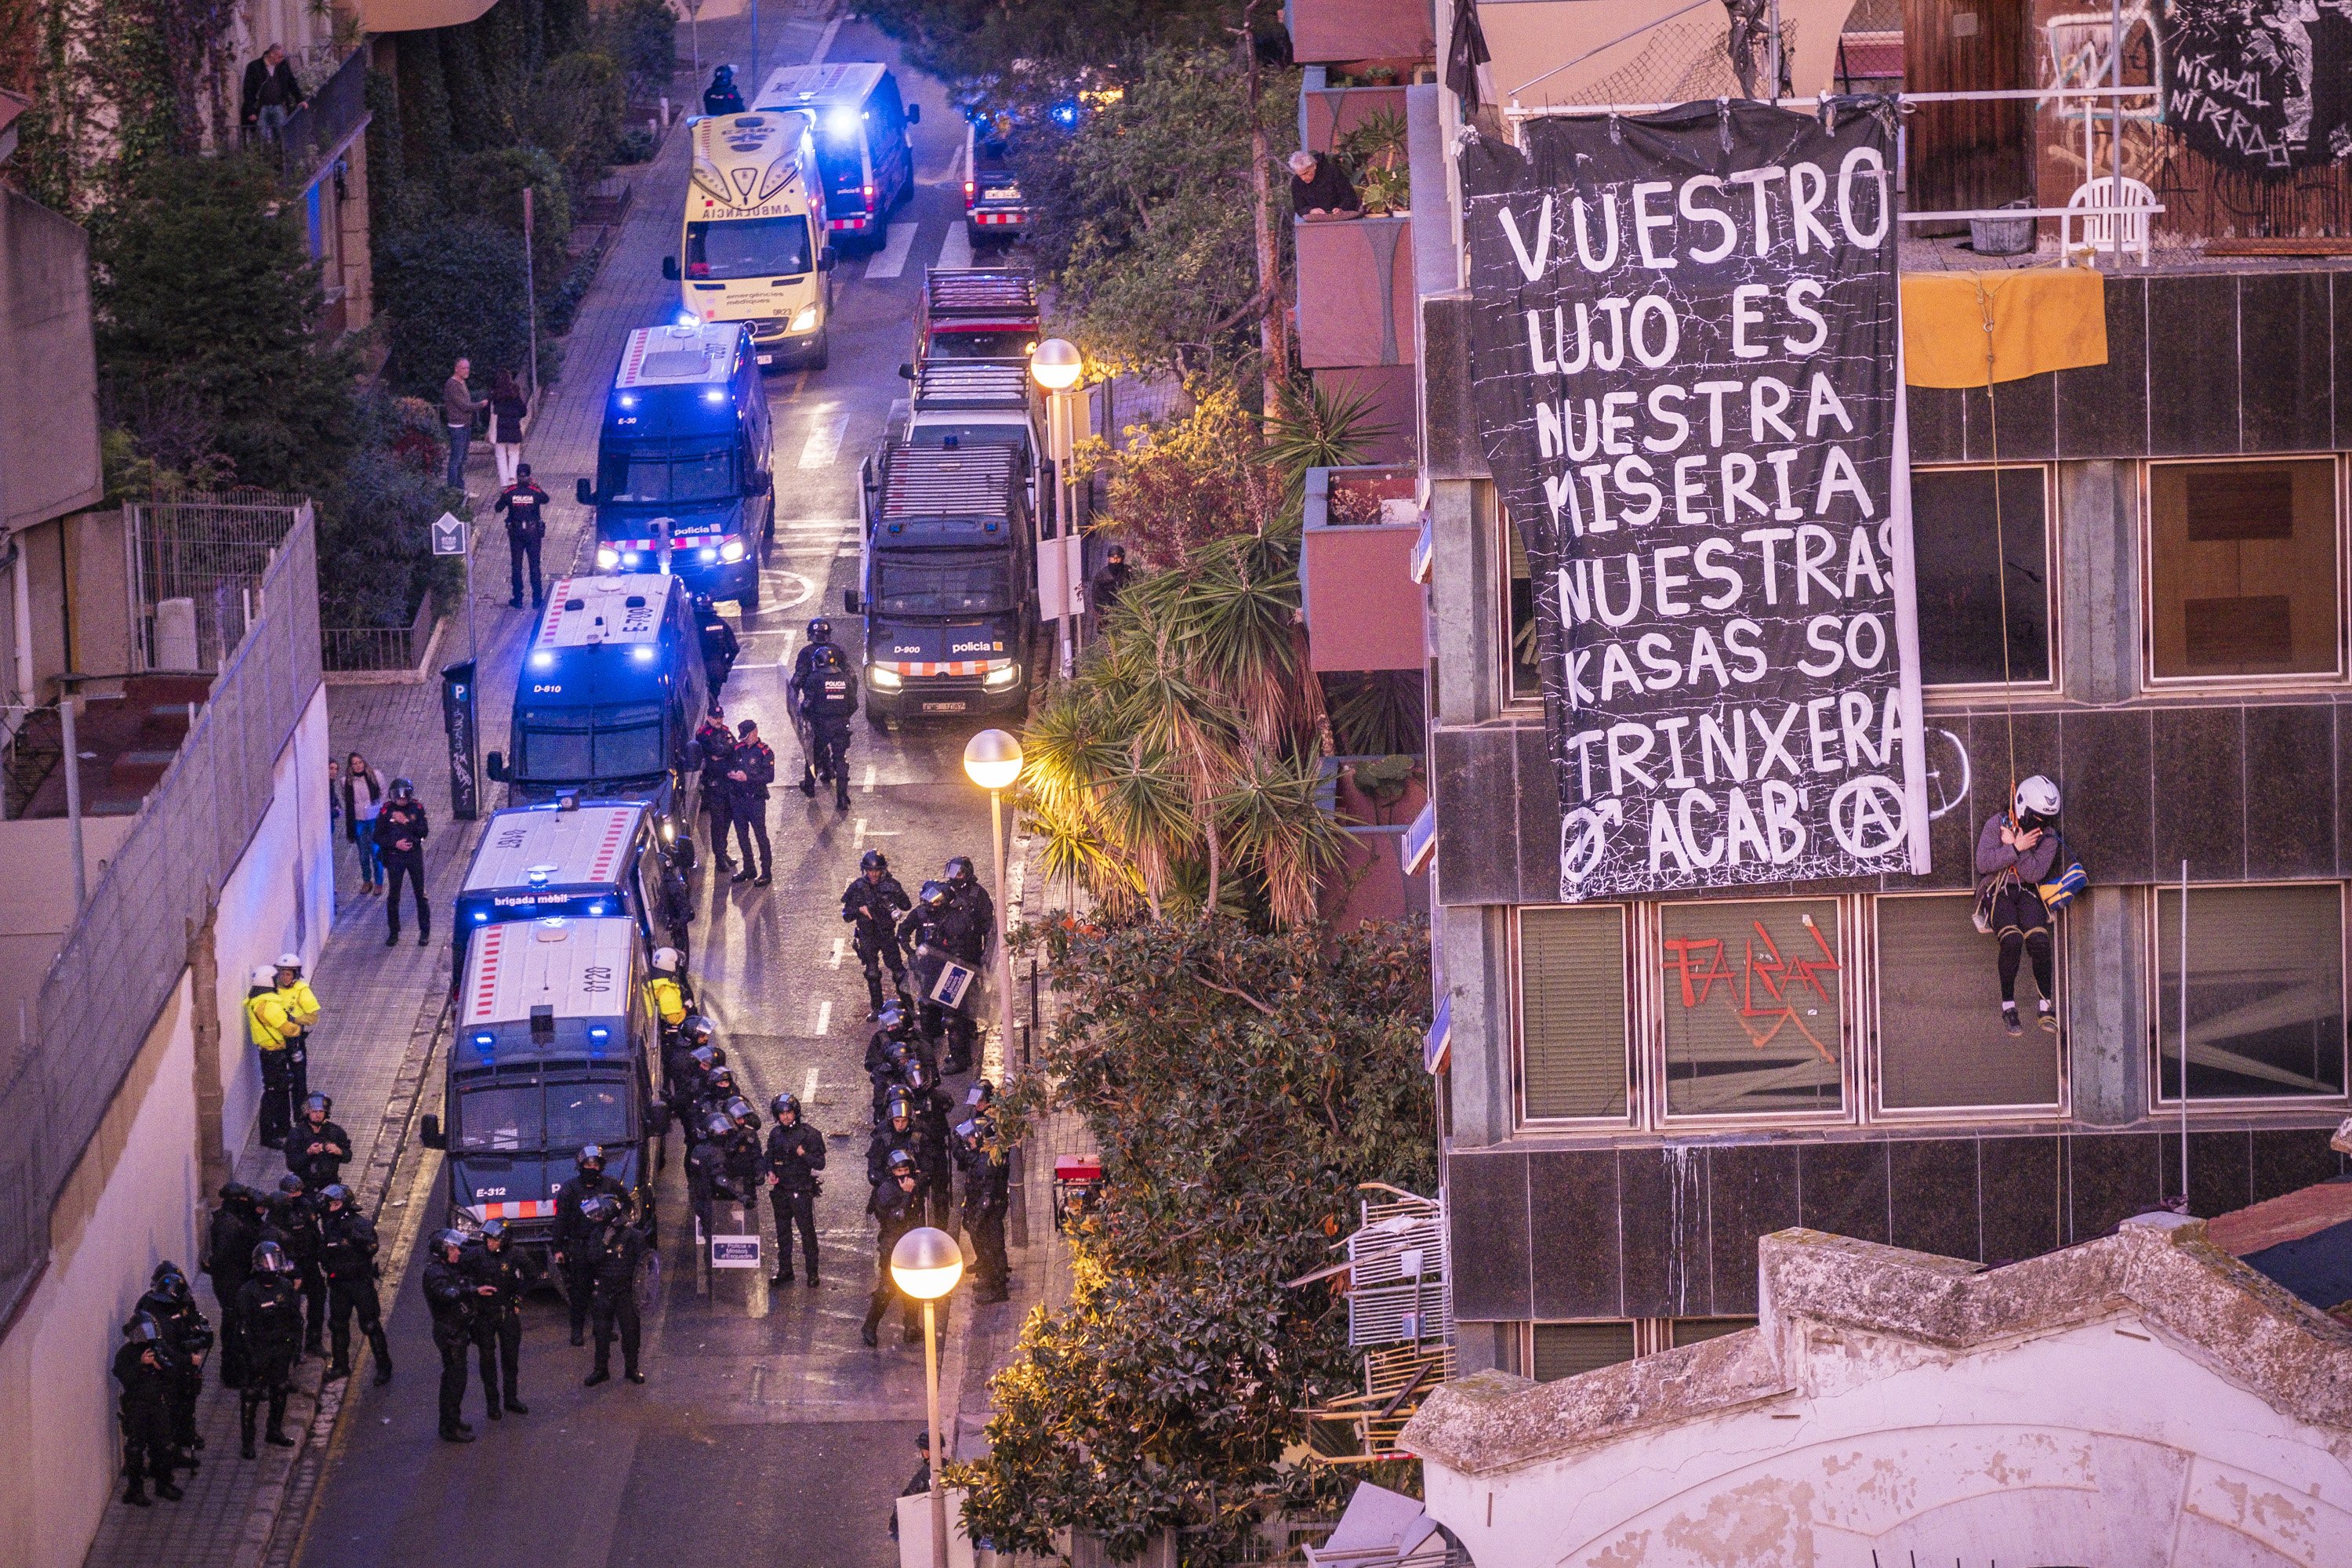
{"points": [[749, 600], [874, 717], [823, 350]]}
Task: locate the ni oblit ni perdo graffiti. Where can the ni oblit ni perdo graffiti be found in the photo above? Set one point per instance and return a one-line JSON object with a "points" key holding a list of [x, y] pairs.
{"points": [[1687, 388]]}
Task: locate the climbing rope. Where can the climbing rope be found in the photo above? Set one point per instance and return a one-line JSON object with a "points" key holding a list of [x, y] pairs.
{"points": [[2001, 543]]}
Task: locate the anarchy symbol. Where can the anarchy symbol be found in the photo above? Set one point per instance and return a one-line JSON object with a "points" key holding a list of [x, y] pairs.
{"points": [[1583, 841], [1866, 815]]}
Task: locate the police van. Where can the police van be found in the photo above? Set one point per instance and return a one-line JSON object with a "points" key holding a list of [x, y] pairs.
{"points": [[753, 249], [684, 473], [980, 403], [976, 313], [551, 1049], [587, 860], [948, 581], [611, 692], [861, 141]]}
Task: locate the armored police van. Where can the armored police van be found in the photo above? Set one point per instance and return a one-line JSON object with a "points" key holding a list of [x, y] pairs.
{"points": [[593, 859], [861, 140], [610, 691], [552, 1050], [948, 581], [683, 477]]}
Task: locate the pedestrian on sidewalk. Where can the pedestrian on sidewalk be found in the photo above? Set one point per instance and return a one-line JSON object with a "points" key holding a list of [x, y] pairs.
{"points": [[363, 795], [145, 1409], [496, 1272], [400, 833], [347, 1255], [458, 406], [896, 1206], [508, 411], [276, 1039], [795, 1155], [718, 744], [751, 770], [270, 1315], [525, 505], [450, 1295]]}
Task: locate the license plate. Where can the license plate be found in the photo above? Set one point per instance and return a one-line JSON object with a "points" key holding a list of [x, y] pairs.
{"points": [[766, 359], [1003, 193], [943, 707]]}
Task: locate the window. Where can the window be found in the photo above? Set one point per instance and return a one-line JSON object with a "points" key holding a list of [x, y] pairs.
{"points": [[748, 248], [1681, 1331], [632, 477], [1940, 1040], [1518, 611], [943, 583], [1962, 549], [2265, 991], [566, 744], [1753, 1007], [1572, 1012], [1564, 1350], [2242, 569]]}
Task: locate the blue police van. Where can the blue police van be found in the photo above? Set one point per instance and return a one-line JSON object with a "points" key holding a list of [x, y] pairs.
{"points": [[553, 1048], [585, 860], [612, 689], [949, 582], [684, 481]]}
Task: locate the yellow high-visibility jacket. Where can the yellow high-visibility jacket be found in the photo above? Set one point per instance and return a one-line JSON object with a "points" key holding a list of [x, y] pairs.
{"points": [[301, 1002], [669, 1001], [267, 1019]]}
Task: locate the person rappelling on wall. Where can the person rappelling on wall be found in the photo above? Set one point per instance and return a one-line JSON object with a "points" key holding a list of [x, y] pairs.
{"points": [[2023, 875]]}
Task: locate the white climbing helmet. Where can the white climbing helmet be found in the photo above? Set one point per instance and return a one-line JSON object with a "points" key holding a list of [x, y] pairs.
{"points": [[2038, 795], [666, 960]]}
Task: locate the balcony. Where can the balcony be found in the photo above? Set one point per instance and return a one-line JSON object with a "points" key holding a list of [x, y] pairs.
{"points": [[1363, 609], [324, 126], [1397, 32], [1328, 108], [415, 16], [1356, 319]]}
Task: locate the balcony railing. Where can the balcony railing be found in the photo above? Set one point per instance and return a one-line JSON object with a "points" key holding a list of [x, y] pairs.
{"points": [[1396, 31], [315, 130], [1328, 111], [1355, 292], [1363, 608]]}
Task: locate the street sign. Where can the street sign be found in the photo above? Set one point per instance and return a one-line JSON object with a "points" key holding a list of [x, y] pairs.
{"points": [[459, 718], [735, 1252], [449, 533]]}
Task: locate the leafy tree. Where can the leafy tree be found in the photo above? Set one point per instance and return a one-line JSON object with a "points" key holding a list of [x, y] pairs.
{"points": [[1177, 489], [206, 299], [453, 288], [375, 551], [576, 109], [1239, 1086], [995, 45], [491, 185], [642, 37]]}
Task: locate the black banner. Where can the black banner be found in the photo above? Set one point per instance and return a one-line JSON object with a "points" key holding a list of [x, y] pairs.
{"points": [[1684, 360], [2260, 86]]}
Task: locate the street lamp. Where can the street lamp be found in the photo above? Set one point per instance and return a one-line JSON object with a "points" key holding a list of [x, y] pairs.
{"points": [[993, 758], [1059, 365], [926, 1265]]}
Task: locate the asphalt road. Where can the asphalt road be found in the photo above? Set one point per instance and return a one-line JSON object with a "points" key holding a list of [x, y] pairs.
{"points": [[765, 1427]]}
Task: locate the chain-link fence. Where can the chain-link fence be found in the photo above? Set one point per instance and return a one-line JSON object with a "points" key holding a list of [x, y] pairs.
{"points": [[194, 569], [124, 956]]}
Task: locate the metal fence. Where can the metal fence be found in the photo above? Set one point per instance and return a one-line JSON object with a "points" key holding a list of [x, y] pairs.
{"points": [[123, 957], [194, 572], [320, 126], [354, 648]]}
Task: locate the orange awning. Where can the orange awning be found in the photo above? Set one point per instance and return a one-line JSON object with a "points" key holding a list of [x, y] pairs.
{"points": [[2042, 318]]}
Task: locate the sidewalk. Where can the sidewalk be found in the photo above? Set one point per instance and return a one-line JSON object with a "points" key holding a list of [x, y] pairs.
{"points": [[384, 1004]]}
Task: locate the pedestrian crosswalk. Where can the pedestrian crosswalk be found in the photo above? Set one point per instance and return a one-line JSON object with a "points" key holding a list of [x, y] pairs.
{"points": [[891, 259], [824, 443], [956, 251]]}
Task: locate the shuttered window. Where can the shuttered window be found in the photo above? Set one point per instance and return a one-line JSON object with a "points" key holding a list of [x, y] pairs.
{"points": [[1572, 1012], [1940, 1039], [1563, 1350], [1692, 1331], [2265, 991]]}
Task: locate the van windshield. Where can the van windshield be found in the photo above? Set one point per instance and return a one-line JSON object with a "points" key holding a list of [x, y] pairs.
{"points": [[521, 1118], [948, 583], [555, 745], [658, 476], [748, 248]]}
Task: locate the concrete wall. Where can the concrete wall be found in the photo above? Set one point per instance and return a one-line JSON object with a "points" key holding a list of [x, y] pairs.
{"points": [[49, 365], [38, 909], [134, 1199]]}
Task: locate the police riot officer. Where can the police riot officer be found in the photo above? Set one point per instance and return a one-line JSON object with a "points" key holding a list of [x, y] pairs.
{"points": [[718, 744], [971, 920], [401, 828], [964, 888], [820, 635], [706, 1167], [525, 505], [896, 1205], [317, 1148], [987, 1194], [293, 1223], [141, 1367], [871, 906], [347, 1253], [571, 1254], [894, 1027], [722, 96], [269, 1316], [903, 1131], [721, 647], [496, 1270], [750, 772], [931, 1108], [452, 1297], [827, 700], [795, 1155], [745, 1168], [932, 923], [615, 1249], [187, 1340], [229, 1241]]}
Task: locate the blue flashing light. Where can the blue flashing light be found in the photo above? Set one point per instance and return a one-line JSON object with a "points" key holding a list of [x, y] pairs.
{"points": [[542, 661], [628, 400], [707, 556], [485, 1046], [643, 653], [481, 916], [600, 1034], [840, 124], [596, 909], [630, 557], [1065, 114], [716, 395], [689, 318]]}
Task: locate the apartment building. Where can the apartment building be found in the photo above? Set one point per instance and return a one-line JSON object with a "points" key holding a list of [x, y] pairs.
{"points": [[2130, 577]]}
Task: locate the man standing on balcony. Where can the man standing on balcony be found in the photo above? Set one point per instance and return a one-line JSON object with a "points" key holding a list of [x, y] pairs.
{"points": [[458, 406], [271, 93]]}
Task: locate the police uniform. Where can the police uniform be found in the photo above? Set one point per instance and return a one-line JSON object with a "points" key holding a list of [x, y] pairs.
{"points": [[747, 801], [450, 1293], [269, 1316], [871, 907], [571, 1241], [525, 506], [144, 1409], [826, 698], [347, 1253], [293, 1223], [718, 744], [721, 647], [498, 1320], [235, 1232], [615, 1250], [402, 821], [316, 1151], [795, 1155], [895, 1212], [187, 1338], [987, 1196]]}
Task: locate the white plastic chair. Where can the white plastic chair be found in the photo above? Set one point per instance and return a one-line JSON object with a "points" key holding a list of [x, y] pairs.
{"points": [[2108, 231]]}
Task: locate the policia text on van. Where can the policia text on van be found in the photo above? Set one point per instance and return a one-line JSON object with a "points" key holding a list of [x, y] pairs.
{"points": [[608, 698], [552, 1051], [949, 577]]}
